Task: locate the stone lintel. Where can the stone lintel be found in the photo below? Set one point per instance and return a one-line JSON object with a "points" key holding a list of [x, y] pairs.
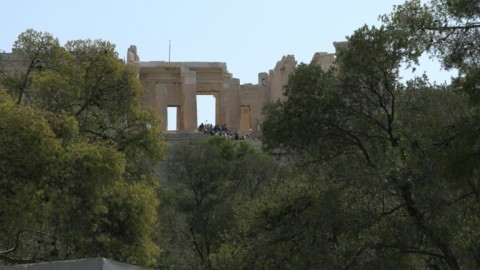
{"points": [[190, 77]]}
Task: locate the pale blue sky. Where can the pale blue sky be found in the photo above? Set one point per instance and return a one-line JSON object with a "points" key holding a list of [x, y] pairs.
{"points": [[250, 36]]}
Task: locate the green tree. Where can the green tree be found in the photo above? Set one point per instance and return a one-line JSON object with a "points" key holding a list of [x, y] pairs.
{"points": [[86, 80], [68, 200], [384, 145], [94, 177], [302, 119], [206, 182], [102, 213], [39, 50], [24, 177], [448, 30], [105, 97]]}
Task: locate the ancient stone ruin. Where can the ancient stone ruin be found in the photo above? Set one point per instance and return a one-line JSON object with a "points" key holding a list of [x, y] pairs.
{"points": [[177, 84]]}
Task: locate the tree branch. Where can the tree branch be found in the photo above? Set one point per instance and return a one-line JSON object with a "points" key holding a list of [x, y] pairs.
{"points": [[11, 259], [391, 211]]}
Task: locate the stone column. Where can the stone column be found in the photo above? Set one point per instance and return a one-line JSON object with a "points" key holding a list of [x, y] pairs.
{"points": [[232, 92], [156, 98], [263, 84], [161, 101], [220, 117], [189, 106], [222, 104]]}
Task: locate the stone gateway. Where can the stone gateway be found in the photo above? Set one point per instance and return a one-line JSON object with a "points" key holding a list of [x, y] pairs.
{"points": [[177, 84]]}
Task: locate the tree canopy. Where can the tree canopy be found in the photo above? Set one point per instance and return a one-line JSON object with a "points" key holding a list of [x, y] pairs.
{"points": [[76, 158], [401, 156], [372, 172], [207, 181]]}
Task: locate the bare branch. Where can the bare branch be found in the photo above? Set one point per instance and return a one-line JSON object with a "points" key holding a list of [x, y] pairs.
{"points": [[11, 259]]}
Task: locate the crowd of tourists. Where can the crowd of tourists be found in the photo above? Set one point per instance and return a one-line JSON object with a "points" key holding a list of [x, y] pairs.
{"points": [[220, 130]]}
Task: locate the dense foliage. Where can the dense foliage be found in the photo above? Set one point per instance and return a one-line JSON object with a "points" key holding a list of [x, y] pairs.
{"points": [[372, 172], [76, 152], [402, 158], [207, 182]]}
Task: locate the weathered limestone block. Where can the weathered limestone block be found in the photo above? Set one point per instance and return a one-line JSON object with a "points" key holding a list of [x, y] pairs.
{"points": [[161, 99], [279, 77], [232, 93], [132, 56], [323, 59], [189, 106]]}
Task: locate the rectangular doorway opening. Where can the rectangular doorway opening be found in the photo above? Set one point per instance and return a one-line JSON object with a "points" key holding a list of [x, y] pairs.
{"points": [[206, 108], [245, 118], [172, 114]]}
